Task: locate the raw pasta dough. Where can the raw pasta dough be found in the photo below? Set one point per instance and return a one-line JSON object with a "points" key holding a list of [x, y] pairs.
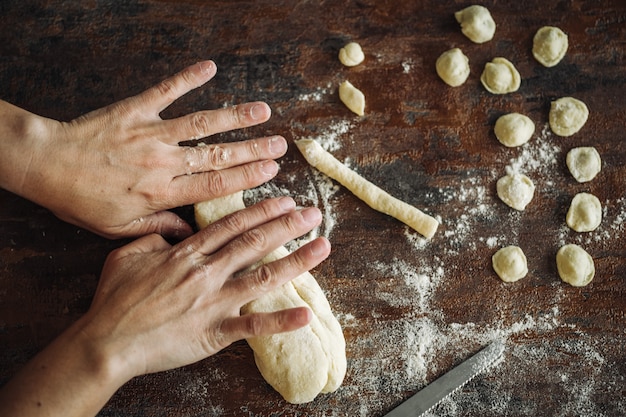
{"points": [[303, 363], [549, 45], [352, 97], [515, 190], [584, 163], [567, 116], [351, 54], [585, 213], [500, 76], [575, 265], [375, 197], [476, 23], [510, 264], [514, 129], [453, 67]]}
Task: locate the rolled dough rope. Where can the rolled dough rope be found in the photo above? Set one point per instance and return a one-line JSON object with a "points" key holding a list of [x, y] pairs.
{"points": [[303, 363], [371, 194]]}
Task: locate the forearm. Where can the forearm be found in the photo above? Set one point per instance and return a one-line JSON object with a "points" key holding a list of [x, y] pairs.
{"points": [[21, 135], [71, 377]]}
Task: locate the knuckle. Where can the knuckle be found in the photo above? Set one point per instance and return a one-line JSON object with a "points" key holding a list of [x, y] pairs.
{"points": [[200, 125], [217, 183], [254, 324], [218, 156], [166, 88], [263, 278], [235, 223], [254, 238]]}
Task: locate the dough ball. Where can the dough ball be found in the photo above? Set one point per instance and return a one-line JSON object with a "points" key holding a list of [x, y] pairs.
{"points": [[549, 45], [476, 23], [584, 163], [575, 265], [510, 264], [500, 76], [351, 54], [567, 116], [453, 67], [352, 97], [585, 213], [515, 190], [514, 129]]}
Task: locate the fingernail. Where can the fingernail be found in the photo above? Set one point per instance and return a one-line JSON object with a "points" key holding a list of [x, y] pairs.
{"points": [[311, 215], [287, 203], [269, 168], [278, 145], [318, 247], [206, 67], [258, 111]]}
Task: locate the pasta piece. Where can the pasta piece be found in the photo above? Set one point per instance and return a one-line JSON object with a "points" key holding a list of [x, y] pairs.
{"points": [[372, 195]]}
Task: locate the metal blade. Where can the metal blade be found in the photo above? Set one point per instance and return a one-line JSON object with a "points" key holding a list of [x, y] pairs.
{"points": [[432, 394]]}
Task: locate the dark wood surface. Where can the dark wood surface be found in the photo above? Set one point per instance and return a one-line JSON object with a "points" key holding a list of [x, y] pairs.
{"points": [[410, 309]]}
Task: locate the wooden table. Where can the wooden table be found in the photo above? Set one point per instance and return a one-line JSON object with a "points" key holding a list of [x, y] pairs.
{"points": [[410, 308]]}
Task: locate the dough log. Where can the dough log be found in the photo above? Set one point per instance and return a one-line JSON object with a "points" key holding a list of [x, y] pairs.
{"points": [[371, 194], [303, 363]]}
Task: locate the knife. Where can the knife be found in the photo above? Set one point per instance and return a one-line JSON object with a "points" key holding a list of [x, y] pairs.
{"points": [[431, 395]]}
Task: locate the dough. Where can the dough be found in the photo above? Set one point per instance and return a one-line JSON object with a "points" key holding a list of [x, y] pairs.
{"points": [[351, 54], [585, 213], [514, 129], [567, 116], [372, 195], [510, 263], [352, 97], [303, 363], [549, 46], [476, 23], [584, 163], [500, 76], [575, 265], [516, 190], [453, 67]]}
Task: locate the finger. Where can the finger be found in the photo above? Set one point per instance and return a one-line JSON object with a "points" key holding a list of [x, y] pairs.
{"points": [[196, 159], [164, 223], [189, 189], [169, 90], [145, 244], [218, 234], [264, 324], [256, 243], [209, 122], [270, 276]]}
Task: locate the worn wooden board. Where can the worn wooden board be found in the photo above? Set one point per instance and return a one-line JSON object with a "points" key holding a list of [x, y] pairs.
{"points": [[410, 308]]}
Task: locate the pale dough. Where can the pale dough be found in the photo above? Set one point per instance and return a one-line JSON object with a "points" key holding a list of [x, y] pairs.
{"points": [[500, 76], [351, 54], [575, 265], [476, 23], [510, 263], [515, 190], [584, 163], [514, 129], [549, 45], [567, 116], [303, 363], [585, 213], [453, 67], [352, 97], [372, 195]]}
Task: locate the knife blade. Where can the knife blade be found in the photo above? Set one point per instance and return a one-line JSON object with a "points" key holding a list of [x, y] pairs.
{"points": [[431, 395]]}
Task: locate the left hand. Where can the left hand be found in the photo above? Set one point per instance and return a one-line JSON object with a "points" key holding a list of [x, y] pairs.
{"points": [[116, 171]]}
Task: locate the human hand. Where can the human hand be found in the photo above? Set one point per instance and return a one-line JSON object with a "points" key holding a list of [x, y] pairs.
{"points": [[159, 307], [116, 171]]}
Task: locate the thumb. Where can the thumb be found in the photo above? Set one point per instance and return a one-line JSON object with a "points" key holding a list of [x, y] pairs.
{"points": [[165, 223]]}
